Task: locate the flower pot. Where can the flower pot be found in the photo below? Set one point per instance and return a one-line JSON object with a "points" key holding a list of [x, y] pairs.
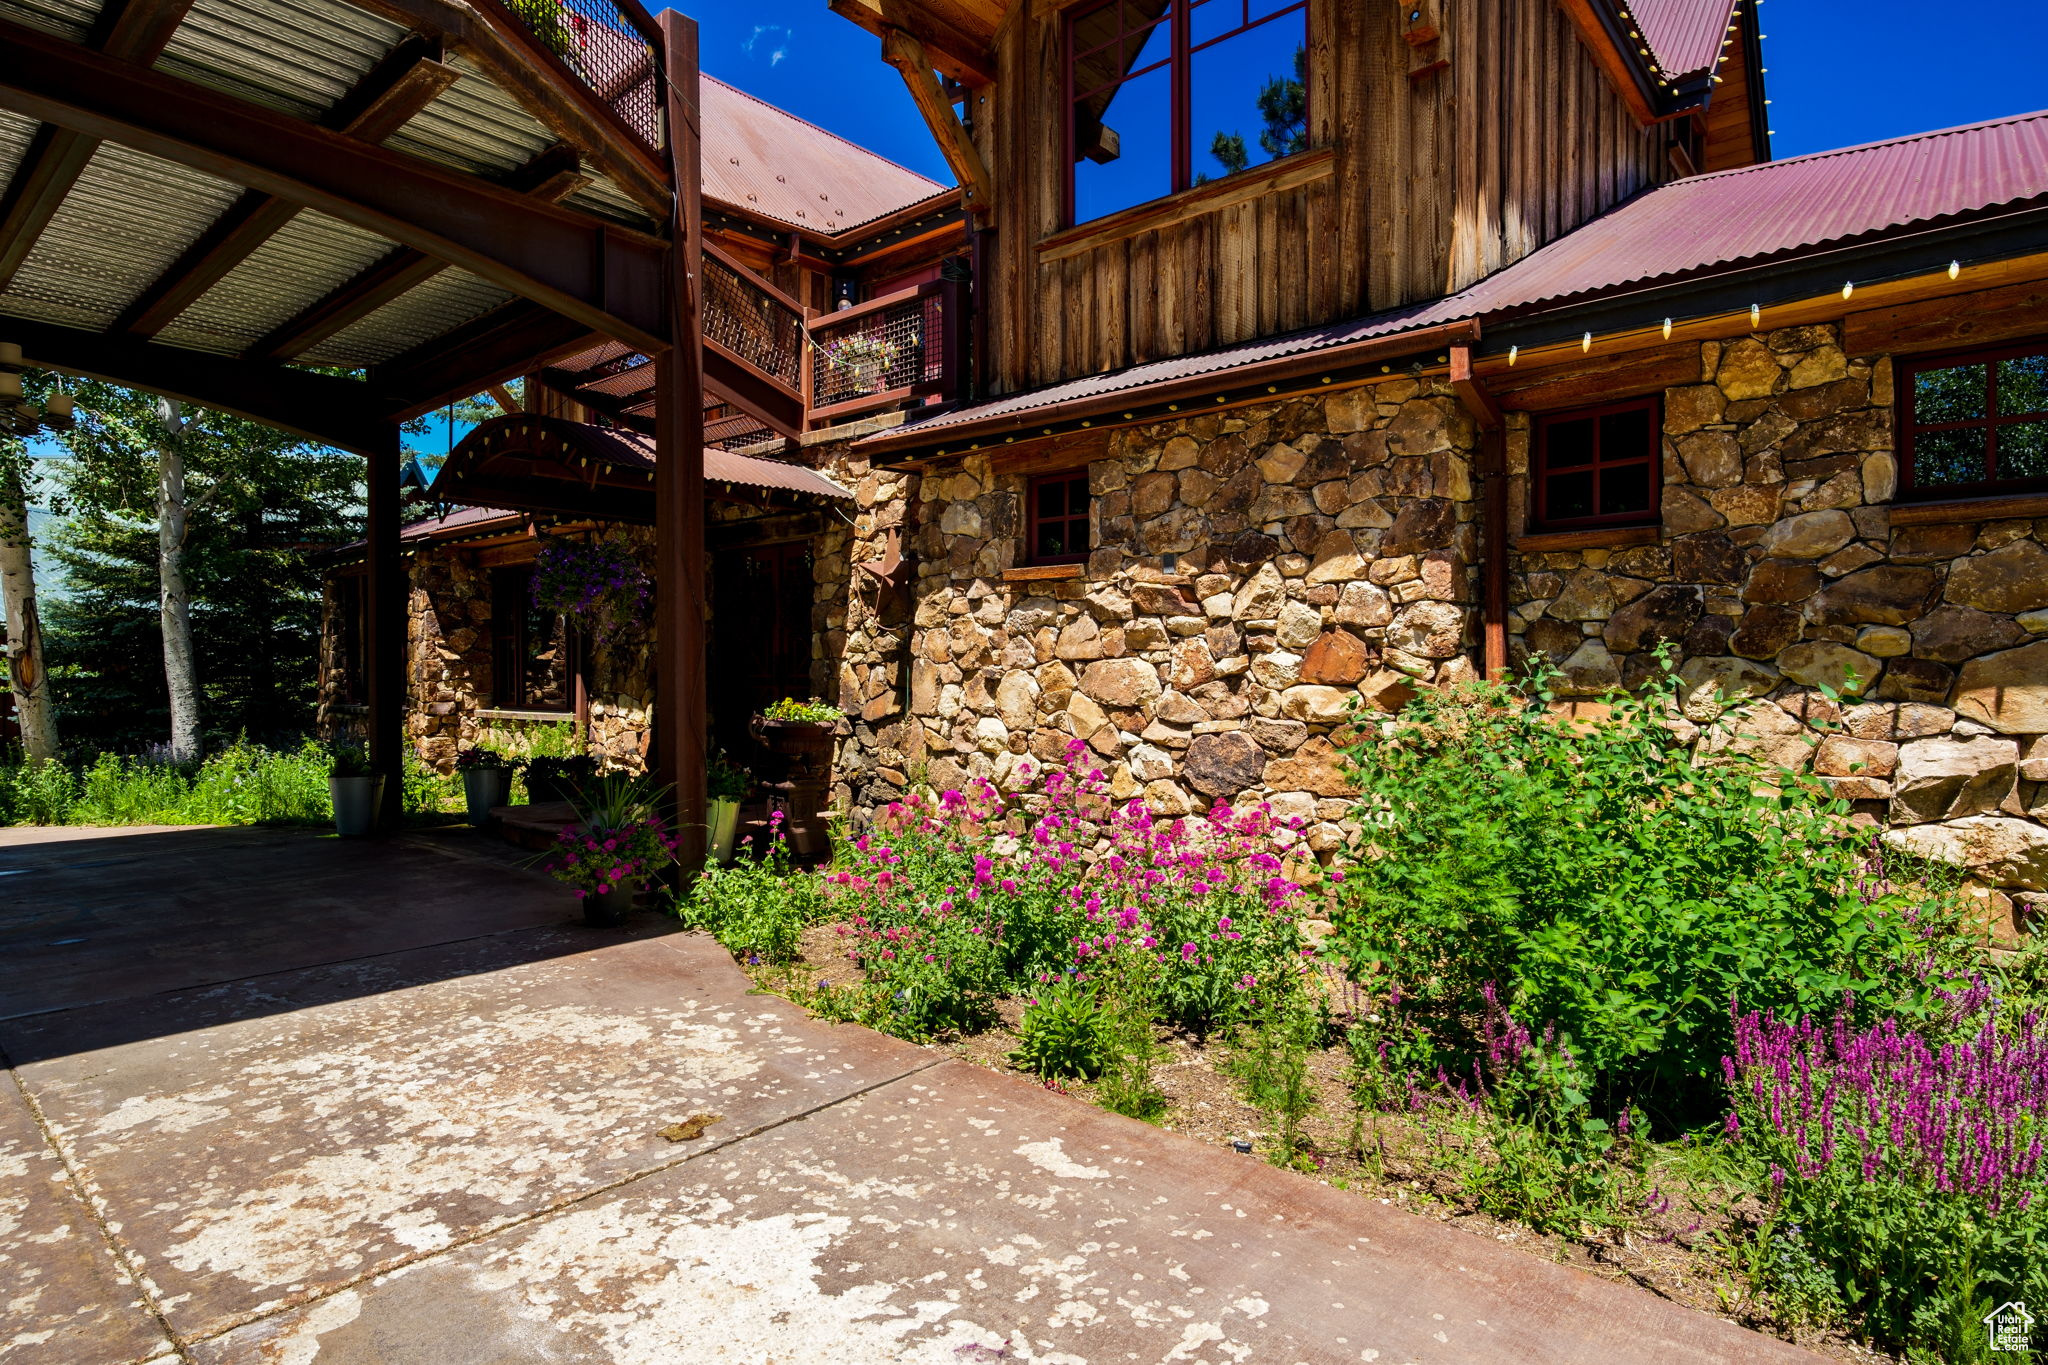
{"points": [[608, 909], [804, 749], [356, 800], [725, 823], [547, 791], [485, 788]]}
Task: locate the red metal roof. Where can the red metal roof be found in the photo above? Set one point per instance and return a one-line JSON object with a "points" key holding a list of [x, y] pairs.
{"points": [[764, 161], [1684, 36], [1698, 226]]}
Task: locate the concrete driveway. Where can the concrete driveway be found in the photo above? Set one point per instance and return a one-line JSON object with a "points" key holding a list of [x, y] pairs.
{"points": [[276, 1098]]}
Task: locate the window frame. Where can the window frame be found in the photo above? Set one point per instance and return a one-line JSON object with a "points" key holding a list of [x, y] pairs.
{"points": [[1180, 62], [1032, 519], [1540, 472], [514, 647], [1906, 373]]}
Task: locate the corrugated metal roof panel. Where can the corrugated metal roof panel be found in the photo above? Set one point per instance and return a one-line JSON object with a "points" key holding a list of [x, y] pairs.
{"points": [[70, 265], [65, 18], [307, 259], [1683, 35], [765, 161], [415, 318], [473, 125], [1755, 212], [298, 56], [1699, 225]]}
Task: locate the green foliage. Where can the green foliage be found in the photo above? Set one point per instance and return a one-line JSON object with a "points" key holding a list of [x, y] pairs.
{"points": [[725, 780], [758, 907], [1065, 1033], [1270, 1063], [347, 759], [1612, 886], [1130, 993], [814, 711]]}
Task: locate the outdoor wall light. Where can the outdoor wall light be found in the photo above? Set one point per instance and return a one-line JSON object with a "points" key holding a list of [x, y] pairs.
{"points": [[17, 414]]}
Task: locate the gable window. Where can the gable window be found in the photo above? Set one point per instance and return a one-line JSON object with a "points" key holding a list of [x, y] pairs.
{"points": [[1056, 524], [1975, 423], [533, 652], [1595, 467], [1167, 94]]}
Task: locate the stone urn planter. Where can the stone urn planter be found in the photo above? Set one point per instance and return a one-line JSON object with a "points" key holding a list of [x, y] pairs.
{"points": [[803, 749], [356, 798], [609, 909], [483, 787]]}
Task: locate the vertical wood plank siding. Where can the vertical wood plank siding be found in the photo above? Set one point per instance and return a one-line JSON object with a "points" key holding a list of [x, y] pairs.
{"points": [[1437, 182]]}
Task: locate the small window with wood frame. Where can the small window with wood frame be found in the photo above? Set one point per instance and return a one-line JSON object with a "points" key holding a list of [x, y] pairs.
{"points": [[1164, 95], [534, 653], [1593, 468], [1975, 423], [1056, 519]]}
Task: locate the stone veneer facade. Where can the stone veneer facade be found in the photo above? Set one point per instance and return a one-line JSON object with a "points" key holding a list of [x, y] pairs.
{"points": [[1256, 569]]}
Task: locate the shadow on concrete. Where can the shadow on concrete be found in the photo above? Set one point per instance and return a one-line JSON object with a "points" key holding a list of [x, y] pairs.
{"points": [[116, 935]]}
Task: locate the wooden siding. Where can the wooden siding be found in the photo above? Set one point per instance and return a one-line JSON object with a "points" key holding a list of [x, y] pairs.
{"points": [[1432, 183]]}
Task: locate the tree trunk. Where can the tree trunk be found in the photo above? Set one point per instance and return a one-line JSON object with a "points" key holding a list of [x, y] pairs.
{"points": [[34, 707], [172, 512]]}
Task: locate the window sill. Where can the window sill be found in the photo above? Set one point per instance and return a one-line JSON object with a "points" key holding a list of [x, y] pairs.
{"points": [[1994, 508], [494, 713], [1290, 172], [1597, 538], [1040, 573]]}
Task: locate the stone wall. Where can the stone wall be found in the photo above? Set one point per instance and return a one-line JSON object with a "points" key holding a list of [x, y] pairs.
{"points": [[1256, 570]]}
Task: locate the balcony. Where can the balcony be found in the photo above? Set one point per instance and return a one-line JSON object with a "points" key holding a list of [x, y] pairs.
{"points": [[907, 347], [609, 50]]}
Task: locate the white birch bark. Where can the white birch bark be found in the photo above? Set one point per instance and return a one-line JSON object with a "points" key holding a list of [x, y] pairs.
{"points": [[34, 706], [180, 672]]}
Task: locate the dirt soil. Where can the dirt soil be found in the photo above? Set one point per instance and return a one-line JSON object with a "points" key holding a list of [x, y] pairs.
{"points": [[1675, 1255]]}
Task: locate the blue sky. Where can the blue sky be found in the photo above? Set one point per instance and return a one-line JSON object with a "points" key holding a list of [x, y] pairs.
{"points": [[1841, 71]]}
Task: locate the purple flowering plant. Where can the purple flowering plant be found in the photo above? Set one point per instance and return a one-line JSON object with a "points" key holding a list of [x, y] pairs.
{"points": [[619, 837], [951, 901], [598, 584], [1903, 1161]]}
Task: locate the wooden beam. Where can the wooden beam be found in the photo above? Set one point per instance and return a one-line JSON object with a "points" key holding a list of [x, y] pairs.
{"points": [[1471, 391], [909, 57], [502, 344], [552, 176], [384, 658], [502, 396], [955, 52], [322, 408], [604, 275], [682, 729], [1620, 69], [403, 83], [133, 31]]}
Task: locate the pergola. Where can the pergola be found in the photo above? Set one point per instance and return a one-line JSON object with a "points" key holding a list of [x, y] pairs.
{"points": [[335, 215]]}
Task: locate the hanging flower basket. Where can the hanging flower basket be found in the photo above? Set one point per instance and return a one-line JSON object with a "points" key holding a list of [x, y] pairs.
{"points": [[599, 586]]}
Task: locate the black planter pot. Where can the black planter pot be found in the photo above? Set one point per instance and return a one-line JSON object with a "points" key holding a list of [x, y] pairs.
{"points": [[608, 910]]}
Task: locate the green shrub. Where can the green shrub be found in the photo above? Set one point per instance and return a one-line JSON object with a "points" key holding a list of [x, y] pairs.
{"points": [[1270, 1063], [1065, 1034], [758, 907], [1612, 886]]}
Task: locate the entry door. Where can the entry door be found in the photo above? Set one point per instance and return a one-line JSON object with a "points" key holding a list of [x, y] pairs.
{"points": [[760, 634]]}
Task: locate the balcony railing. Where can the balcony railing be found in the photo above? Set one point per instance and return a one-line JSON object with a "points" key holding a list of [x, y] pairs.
{"points": [[908, 345], [609, 47], [753, 342]]}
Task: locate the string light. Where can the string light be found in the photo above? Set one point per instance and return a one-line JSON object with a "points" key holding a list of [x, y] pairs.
{"points": [[1848, 288], [1955, 268], [1667, 329], [1756, 315], [1514, 353], [1586, 342]]}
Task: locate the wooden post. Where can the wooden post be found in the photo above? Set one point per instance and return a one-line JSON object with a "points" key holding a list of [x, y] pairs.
{"points": [[384, 654], [680, 657], [1493, 527]]}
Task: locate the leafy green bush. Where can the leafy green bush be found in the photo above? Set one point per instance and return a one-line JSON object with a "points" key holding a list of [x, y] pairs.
{"points": [[1271, 1065], [1065, 1033], [1612, 886], [758, 907]]}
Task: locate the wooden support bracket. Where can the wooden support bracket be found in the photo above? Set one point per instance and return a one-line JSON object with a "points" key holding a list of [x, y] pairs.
{"points": [[908, 56]]}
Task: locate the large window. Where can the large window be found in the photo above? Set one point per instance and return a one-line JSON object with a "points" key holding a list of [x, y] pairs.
{"points": [[1056, 530], [533, 652], [1166, 94], [1975, 423], [1596, 467]]}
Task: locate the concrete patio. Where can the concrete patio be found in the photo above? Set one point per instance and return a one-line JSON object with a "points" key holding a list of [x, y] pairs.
{"points": [[276, 1098]]}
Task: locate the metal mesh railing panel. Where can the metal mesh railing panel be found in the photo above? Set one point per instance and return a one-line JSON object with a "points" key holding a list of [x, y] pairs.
{"points": [[897, 347], [753, 324], [609, 47]]}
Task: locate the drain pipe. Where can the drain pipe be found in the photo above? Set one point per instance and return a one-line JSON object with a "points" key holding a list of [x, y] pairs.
{"points": [[1493, 472]]}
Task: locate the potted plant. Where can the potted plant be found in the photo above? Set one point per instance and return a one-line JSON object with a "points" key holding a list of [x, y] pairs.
{"points": [[726, 784], [798, 734], [864, 358], [486, 780], [619, 841], [354, 789], [552, 778]]}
